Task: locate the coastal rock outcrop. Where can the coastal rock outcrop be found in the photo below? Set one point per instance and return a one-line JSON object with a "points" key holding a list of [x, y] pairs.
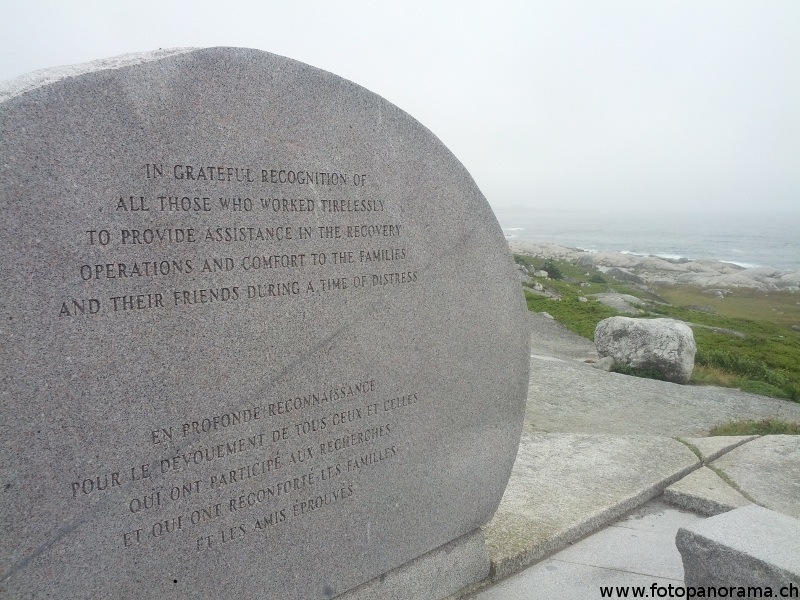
{"points": [[656, 271], [623, 303], [624, 275], [666, 345]]}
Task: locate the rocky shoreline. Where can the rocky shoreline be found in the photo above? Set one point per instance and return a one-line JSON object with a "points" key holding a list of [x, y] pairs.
{"points": [[653, 270]]}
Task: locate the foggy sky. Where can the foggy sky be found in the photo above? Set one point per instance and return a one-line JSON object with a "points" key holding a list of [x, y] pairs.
{"points": [[634, 104]]}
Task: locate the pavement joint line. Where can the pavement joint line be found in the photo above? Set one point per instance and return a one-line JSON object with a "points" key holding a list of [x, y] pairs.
{"points": [[619, 525], [693, 448], [717, 470], [570, 562], [699, 454], [687, 470], [724, 476], [740, 444]]}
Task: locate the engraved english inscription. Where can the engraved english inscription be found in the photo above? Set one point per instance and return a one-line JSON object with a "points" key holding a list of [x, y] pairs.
{"points": [[337, 244]]}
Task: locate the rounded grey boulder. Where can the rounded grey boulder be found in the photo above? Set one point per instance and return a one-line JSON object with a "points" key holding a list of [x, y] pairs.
{"points": [[663, 344]]}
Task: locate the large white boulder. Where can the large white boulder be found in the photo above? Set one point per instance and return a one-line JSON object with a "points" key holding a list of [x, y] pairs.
{"points": [[663, 344]]}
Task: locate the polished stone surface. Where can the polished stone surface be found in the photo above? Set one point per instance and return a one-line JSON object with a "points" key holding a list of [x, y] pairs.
{"points": [[261, 333]]}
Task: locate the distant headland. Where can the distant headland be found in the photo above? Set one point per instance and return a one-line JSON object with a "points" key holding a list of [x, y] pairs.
{"points": [[652, 270]]}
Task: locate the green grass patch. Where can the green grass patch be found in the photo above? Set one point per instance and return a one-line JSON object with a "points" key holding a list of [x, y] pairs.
{"points": [[780, 308], [765, 427], [762, 363], [710, 375], [766, 389], [579, 317], [706, 375], [638, 372]]}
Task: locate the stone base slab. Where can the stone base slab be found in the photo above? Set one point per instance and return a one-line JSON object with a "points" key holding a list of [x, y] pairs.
{"points": [[433, 576]]}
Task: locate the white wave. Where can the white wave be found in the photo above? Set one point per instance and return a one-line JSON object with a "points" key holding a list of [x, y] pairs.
{"points": [[744, 265], [664, 255], [671, 256]]}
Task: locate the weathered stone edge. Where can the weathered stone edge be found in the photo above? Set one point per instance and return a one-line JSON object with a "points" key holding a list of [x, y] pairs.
{"points": [[725, 567], [34, 79], [698, 504], [749, 546]]}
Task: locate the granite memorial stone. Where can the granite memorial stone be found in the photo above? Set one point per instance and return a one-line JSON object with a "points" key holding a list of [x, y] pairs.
{"points": [[261, 333]]}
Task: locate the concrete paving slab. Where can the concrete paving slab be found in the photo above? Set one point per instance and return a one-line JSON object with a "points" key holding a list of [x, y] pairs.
{"points": [[564, 486], [653, 553], [711, 448], [768, 471], [704, 492], [638, 550], [566, 581]]}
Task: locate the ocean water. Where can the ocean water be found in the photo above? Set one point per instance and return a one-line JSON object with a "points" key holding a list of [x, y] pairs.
{"points": [[747, 240]]}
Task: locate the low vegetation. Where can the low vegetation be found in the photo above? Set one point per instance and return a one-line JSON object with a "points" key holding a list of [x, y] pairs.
{"points": [[743, 341], [765, 427], [780, 308], [638, 372]]}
